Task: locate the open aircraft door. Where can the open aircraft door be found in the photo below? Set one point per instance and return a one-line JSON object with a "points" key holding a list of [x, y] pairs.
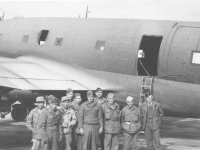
{"points": [[183, 44], [195, 60]]}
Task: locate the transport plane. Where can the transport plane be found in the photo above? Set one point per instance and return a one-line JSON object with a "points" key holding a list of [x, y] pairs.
{"points": [[42, 56]]}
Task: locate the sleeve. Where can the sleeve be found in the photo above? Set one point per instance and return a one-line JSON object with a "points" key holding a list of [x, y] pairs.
{"points": [[42, 125], [100, 116], [60, 127], [80, 116], [160, 109], [29, 123], [122, 116], [74, 119]]}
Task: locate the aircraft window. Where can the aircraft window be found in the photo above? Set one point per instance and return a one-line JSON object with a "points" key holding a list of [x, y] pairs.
{"points": [[100, 45], [58, 41], [25, 38], [42, 37], [196, 58]]}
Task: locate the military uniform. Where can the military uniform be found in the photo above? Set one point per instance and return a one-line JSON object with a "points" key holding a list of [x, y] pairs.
{"points": [[69, 119], [131, 126], [76, 136], [90, 119], [32, 124], [151, 120], [112, 125], [50, 128], [101, 101]]}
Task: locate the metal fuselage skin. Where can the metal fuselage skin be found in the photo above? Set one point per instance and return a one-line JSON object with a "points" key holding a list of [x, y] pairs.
{"points": [[108, 49]]}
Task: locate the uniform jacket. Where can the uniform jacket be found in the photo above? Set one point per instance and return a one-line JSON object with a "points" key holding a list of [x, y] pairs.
{"points": [[157, 114], [69, 119], [50, 121], [90, 113], [100, 100], [130, 119], [112, 118], [76, 107], [32, 122]]}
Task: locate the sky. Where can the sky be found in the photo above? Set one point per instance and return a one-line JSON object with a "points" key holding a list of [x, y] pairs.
{"points": [[184, 10]]}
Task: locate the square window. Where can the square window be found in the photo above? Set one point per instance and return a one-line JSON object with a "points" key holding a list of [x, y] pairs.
{"points": [[25, 38], [100, 45], [196, 58], [1, 35], [58, 41]]}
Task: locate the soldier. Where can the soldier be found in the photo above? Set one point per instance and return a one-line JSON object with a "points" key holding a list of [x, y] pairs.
{"points": [[90, 122], [76, 136], [101, 100], [112, 125], [69, 120], [99, 96], [32, 122], [151, 113], [69, 93], [50, 125], [130, 124]]}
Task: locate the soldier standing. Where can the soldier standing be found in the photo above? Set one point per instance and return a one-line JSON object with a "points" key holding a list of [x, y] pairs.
{"points": [[32, 122], [50, 125], [90, 122], [101, 100], [112, 125], [130, 124], [76, 136], [69, 120], [151, 113]]}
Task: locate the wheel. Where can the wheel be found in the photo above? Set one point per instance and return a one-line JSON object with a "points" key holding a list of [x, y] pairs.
{"points": [[19, 114]]}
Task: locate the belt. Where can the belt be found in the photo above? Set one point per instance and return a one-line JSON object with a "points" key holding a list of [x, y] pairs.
{"points": [[52, 130], [91, 123], [129, 122]]}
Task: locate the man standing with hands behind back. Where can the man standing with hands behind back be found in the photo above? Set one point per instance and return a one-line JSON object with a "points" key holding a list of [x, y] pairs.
{"points": [[90, 122], [151, 114]]}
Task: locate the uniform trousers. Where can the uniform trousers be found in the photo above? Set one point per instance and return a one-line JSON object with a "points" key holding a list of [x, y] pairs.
{"points": [[130, 141], [152, 137], [77, 143], [102, 135], [111, 142], [91, 139], [52, 141], [36, 144], [67, 140]]}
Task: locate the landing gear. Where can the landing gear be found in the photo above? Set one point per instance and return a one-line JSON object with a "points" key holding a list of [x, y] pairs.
{"points": [[19, 114]]}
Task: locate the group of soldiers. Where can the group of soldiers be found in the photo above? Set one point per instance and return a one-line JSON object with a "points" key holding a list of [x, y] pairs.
{"points": [[95, 123]]}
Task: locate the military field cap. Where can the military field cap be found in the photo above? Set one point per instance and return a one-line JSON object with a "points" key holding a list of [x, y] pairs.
{"points": [[98, 89], [147, 94], [40, 99], [89, 93], [53, 100], [129, 98], [77, 94], [69, 90], [65, 98]]}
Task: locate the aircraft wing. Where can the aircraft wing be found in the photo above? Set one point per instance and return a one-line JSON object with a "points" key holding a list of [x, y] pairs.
{"points": [[30, 73]]}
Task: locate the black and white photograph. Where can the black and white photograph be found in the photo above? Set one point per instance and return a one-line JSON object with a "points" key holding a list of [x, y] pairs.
{"points": [[100, 75]]}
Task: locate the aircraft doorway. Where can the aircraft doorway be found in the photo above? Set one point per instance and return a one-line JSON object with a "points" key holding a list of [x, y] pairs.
{"points": [[148, 60]]}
